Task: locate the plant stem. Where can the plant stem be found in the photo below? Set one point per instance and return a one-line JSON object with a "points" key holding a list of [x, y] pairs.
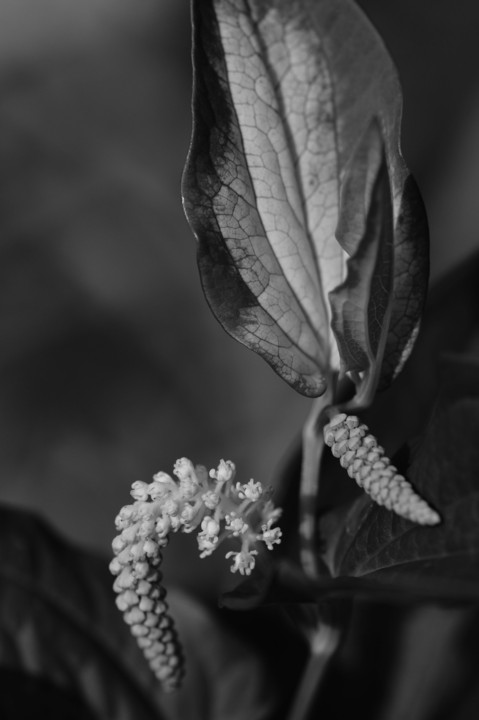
{"points": [[313, 446], [324, 643]]}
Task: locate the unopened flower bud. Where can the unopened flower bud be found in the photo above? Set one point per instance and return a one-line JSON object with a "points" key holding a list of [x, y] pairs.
{"points": [[372, 470], [139, 490]]}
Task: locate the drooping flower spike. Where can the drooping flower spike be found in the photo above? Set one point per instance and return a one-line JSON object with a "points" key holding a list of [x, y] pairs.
{"points": [[196, 500], [359, 453]]}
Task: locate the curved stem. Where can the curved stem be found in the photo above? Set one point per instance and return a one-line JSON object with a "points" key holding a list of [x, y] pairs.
{"points": [[324, 643], [313, 446]]}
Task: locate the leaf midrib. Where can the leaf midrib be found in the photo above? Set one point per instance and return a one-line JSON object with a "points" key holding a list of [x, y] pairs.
{"points": [[291, 147]]}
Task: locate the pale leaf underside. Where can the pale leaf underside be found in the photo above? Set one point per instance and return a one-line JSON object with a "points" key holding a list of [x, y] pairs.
{"points": [[280, 101]]}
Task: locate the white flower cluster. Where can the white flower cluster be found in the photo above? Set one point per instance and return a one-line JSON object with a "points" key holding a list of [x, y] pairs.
{"points": [[365, 462], [195, 500]]}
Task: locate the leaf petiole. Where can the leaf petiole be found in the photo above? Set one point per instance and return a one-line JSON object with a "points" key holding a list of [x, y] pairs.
{"points": [[313, 446]]}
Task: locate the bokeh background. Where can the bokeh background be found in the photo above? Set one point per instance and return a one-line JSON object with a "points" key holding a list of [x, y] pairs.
{"points": [[111, 365]]}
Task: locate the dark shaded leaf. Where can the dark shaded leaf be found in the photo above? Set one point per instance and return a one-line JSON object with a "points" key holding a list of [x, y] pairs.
{"points": [[411, 272], [450, 325], [361, 304], [25, 697], [58, 621], [283, 91]]}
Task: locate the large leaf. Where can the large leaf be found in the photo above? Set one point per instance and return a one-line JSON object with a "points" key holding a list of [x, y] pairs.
{"points": [[285, 94], [59, 624]]}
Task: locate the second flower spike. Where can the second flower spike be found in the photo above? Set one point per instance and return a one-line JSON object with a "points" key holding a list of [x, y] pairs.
{"points": [[359, 453]]}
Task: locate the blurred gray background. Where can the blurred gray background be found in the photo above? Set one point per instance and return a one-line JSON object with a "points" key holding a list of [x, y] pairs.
{"points": [[111, 365]]}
